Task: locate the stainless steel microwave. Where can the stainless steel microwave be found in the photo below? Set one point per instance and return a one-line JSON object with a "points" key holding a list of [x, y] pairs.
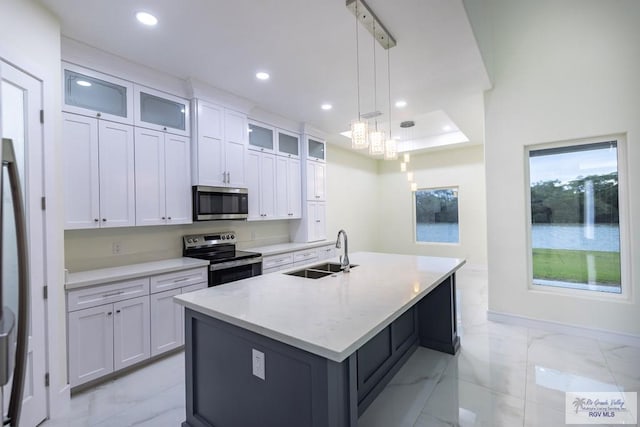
{"points": [[216, 203]]}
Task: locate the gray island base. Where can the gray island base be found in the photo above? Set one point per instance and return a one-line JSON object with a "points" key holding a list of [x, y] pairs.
{"points": [[246, 368]]}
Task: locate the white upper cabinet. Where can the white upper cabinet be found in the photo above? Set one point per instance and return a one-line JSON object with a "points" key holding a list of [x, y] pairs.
{"points": [[261, 183], [288, 144], [316, 181], [315, 148], [161, 111], [218, 154], [288, 188], [261, 137], [163, 186], [94, 94], [99, 173]]}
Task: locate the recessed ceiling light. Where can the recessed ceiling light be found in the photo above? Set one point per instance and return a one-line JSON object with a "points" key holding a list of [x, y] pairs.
{"points": [[446, 128], [146, 18], [326, 106], [401, 103], [262, 75], [83, 83]]}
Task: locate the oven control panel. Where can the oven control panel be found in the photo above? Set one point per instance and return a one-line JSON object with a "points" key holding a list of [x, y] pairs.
{"points": [[210, 239]]}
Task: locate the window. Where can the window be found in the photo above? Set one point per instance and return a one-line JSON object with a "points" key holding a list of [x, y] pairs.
{"points": [[575, 221], [437, 215]]}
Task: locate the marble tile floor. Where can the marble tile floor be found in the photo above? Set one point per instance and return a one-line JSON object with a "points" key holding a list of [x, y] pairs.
{"points": [[503, 376]]}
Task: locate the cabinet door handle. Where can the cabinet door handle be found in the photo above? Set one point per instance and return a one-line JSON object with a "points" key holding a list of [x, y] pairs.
{"points": [[181, 280], [96, 219], [169, 218], [117, 311], [113, 294], [104, 219], [228, 177], [163, 218], [98, 114], [317, 220], [109, 313]]}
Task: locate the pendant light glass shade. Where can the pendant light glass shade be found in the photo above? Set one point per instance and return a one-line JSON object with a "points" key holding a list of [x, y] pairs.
{"points": [[407, 158], [414, 186], [410, 176], [359, 134], [403, 167], [390, 149], [376, 143]]}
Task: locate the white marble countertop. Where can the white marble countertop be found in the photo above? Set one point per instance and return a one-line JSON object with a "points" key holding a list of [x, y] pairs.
{"points": [[282, 248], [332, 316], [101, 276]]}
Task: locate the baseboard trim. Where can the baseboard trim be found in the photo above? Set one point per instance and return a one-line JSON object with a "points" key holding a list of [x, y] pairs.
{"points": [[552, 326]]}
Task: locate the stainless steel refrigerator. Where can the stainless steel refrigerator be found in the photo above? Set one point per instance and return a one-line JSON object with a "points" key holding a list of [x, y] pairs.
{"points": [[13, 319]]}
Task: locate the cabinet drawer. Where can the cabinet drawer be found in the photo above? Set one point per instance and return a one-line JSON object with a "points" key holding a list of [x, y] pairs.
{"points": [[276, 261], [114, 292], [305, 255], [179, 279], [192, 288]]}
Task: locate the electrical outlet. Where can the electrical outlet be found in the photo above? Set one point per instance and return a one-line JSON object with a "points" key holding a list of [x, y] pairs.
{"points": [[116, 248], [257, 358]]}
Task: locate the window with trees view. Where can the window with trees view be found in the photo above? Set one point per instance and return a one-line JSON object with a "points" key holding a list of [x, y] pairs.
{"points": [[437, 215], [575, 223]]}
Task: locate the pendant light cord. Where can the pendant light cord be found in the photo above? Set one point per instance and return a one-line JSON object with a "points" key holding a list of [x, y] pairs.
{"points": [[375, 86], [389, 86], [357, 61]]}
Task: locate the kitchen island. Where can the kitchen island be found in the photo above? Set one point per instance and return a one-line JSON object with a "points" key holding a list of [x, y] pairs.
{"points": [[282, 350]]}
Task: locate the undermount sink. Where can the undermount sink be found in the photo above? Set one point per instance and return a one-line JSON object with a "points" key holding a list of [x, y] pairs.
{"points": [[318, 271]]}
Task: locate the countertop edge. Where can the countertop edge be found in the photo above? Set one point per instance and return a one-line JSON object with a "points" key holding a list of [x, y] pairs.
{"points": [[90, 278]]}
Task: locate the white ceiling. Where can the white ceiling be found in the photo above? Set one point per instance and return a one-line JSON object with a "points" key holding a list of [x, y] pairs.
{"points": [[308, 47]]}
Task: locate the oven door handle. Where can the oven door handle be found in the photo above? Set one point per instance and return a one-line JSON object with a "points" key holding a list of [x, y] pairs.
{"points": [[236, 263]]}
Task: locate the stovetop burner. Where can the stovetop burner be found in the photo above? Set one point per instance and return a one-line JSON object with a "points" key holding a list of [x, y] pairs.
{"points": [[215, 247]]}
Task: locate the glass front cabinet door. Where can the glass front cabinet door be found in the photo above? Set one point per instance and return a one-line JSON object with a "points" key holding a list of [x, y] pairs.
{"points": [[261, 137], [288, 144], [161, 111], [316, 149], [94, 94]]}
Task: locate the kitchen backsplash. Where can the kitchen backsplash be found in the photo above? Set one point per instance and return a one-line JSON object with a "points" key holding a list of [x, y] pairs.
{"points": [[102, 248]]}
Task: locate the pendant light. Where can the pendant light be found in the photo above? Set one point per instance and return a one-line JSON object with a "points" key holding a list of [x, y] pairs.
{"points": [[376, 137], [359, 127]]}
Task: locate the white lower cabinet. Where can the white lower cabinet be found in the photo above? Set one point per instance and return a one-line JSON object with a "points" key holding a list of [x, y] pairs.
{"points": [[130, 332], [116, 325], [107, 338], [166, 317], [90, 344]]}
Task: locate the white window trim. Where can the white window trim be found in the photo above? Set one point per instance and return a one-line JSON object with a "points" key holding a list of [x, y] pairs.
{"points": [[415, 217], [626, 284]]}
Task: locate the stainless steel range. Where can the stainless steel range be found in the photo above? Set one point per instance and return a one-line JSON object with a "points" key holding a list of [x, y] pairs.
{"points": [[226, 263]]}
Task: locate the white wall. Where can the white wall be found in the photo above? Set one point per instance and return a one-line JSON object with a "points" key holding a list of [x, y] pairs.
{"points": [[561, 71], [352, 198], [464, 168], [30, 39]]}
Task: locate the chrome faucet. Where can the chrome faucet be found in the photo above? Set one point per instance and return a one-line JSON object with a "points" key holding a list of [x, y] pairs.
{"points": [[344, 260]]}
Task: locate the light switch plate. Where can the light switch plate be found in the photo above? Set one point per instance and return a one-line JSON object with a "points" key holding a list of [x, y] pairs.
{"points": [[257, 358]]}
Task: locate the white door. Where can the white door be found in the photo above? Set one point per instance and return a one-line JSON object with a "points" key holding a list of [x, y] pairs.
{"points": [[294, 190], [210, 145], [81, 184], [235, 135], [149, 173], [268, 185], [253, 184], [90, 343], [166, 322], [117, 187], [131, 332], [21, 102], [177, 179]]}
